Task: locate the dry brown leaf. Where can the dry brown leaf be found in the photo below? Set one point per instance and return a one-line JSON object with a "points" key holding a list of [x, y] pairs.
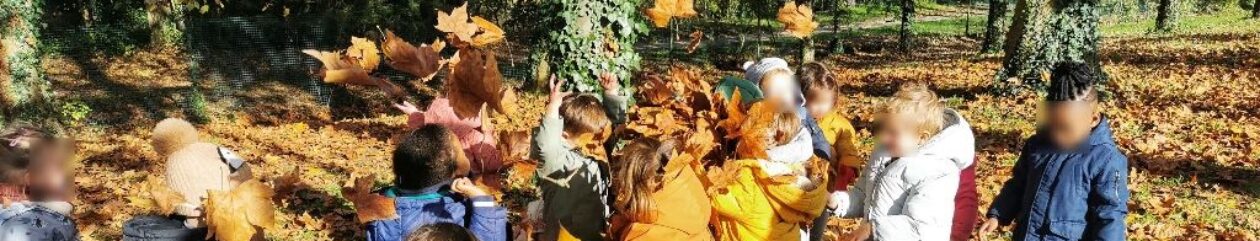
{"points": [[754, 131], [422, 62], [475, 82], [798, 20], [365, 53], [163, 197], [696, 37], [490, 33], [663, 10], [340, 69], [394, 92], [368, 206], [236, 215], [457, 23]]}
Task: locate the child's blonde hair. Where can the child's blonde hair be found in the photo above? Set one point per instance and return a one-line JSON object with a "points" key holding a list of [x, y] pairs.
{"points": [[583, 114], [638, 174], [786, 126], [916, 103]]}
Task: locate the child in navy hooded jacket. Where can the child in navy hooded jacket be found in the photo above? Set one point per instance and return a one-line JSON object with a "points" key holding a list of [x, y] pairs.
{"points": [[1070, 182], [426, 163]]}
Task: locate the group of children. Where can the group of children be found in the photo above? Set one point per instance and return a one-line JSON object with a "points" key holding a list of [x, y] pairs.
{"points": [[918, 184]]}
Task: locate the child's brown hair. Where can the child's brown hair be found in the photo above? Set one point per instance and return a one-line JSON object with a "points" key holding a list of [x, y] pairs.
{"points": [[584, 114], [637, 175], [17, 148], [816, 79], [441, 232]]}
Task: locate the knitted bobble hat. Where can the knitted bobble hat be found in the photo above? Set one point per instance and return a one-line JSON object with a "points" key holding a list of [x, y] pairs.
{"points": [[753, 71], [172, 134]]}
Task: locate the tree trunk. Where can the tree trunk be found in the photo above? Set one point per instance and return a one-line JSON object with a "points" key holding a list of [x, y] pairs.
{"points": [[1046, 32], [1165, 18], [25, 95], [907, 20], [994, 26], [1255, 9]]}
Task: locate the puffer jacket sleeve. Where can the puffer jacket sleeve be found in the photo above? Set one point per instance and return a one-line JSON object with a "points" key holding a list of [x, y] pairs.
{"points": [[928, 212], [1006, 205], [548, 146], [488, 220], [1108, 198], [848, 204], [384, 230], [616, 105]]}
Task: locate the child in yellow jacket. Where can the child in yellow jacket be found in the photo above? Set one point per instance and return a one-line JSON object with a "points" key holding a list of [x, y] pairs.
{"points": [[660, 195], [820, 88], [753, 203]]}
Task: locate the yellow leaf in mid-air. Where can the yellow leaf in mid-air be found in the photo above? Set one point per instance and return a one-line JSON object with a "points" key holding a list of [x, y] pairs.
{"points": [[798, 20], [490, 33], [457, 22], [663, 10], [365, 52], [236, 215], [340, 69]]}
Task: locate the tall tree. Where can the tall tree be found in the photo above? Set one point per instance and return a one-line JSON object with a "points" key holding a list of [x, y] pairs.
{"points": [[994, 26], [1166, 16], [1255, 9], [1045, 32], [907, 20], [25, 95]]}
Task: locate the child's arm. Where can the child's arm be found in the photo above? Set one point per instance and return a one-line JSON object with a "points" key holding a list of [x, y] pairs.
{"points": [[848, 204], [1006, 205], [799, 150], [846, 146], [614, 102], [928, 212], [549, 139], [415, 117], [1108, 199], [488, 221]]}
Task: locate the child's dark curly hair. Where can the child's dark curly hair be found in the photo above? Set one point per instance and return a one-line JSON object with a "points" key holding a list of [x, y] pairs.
{"points": [[441, 232], [426, 157], [1072, 81], [18, 143]]}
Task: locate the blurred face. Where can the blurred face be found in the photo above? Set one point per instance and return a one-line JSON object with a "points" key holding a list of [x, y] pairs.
{"points": [[820, 103], [48, 176], [897, 136], [1069, 123], [780, 88]]}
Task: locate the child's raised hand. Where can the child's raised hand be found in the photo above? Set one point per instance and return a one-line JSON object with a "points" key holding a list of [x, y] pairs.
{"points": [[987, 228], [406, 107], [610, 83], [465, 187], [556, 97]]}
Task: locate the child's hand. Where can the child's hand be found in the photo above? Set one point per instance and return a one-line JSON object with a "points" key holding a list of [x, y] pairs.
{"points": [[862, 233], [987, 228], [610, 83], [466, 187], [407, 107], [556, 98]]}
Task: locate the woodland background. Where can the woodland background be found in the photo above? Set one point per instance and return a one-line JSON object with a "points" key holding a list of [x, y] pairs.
{"points": [[1181, 87]]}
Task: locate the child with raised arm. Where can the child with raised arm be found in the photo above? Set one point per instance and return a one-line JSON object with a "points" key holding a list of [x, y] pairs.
{"points": [[475, 133], [660, 197], [1070, 182], [427, 191], [573, 174], [906, 191]]}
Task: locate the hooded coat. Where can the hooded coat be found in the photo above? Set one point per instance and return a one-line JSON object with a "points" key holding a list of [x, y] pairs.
{"points": [[912, 197], [1078, 194], [682, 209], [436, 204]]}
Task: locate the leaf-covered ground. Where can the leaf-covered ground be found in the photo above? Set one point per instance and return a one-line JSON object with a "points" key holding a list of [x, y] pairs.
{"points": [[1185, 109]]}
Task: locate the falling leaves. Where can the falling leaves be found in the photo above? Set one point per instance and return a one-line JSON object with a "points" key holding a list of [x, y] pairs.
{"points": [[476, 82], [475, 30], [364, 52], [340, 69], [236, 215], [798, 20], [368, 206], [696, 37], [422, 62], [664, 10]]}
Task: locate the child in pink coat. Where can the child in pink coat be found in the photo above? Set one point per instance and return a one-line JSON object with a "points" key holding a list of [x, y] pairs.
{"points": [[475, 134]]}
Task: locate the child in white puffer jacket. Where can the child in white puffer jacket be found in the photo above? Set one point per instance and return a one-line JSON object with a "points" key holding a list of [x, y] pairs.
{"points": [[906, 191]]}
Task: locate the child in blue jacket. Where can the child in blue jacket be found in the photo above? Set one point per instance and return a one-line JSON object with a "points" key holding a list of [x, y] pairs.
{"points": [[1070, 182], [426, 164]]}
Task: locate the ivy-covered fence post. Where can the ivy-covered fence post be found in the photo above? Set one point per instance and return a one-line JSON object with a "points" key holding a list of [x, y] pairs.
{"points": [[590, 37], [1043, 33], [25, 95]]}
